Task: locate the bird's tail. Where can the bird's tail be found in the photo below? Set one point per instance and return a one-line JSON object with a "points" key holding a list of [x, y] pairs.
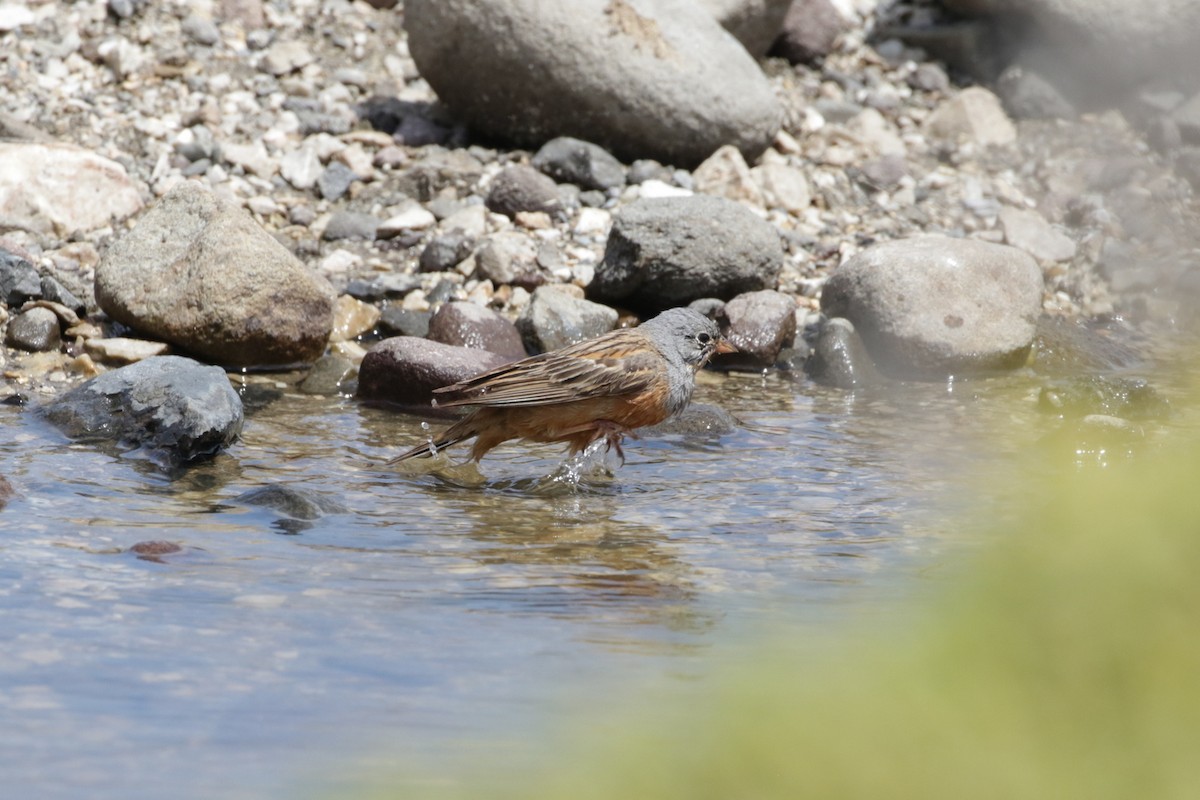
{"points": [[461, 430]]}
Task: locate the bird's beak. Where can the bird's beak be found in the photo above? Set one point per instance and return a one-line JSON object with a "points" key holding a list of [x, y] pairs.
{"points": [[723, 346]]}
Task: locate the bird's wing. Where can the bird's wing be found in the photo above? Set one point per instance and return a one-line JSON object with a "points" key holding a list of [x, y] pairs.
{"points": [[616, 363]]}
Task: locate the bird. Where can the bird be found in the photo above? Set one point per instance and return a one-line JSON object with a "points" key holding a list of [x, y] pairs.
{"points": [[601, 388]]}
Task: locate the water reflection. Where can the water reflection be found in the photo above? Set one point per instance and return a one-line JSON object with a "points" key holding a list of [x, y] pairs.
{"points": [[433, 604]]}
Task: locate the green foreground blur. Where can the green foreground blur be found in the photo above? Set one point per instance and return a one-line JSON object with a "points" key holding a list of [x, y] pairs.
{"points": [[1063, 663]]}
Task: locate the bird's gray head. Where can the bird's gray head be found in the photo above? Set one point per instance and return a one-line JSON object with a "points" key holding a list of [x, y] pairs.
{"points": [[686, 334]]}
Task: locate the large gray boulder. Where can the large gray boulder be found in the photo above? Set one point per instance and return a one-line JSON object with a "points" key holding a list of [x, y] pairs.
{"points": [[667, 252], [643, 78], [170, 409], [198, 272], [1101, 45], [933, 306]]}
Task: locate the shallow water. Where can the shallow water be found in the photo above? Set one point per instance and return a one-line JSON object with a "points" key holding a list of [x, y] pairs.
{"points": [[401, 615]]}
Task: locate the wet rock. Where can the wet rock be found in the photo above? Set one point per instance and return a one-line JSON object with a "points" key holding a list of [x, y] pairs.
{"points": [[154, 549], [404, 371], [555, 319], [446, 251], [509, 258], [1027, 230], [299, 504], [1098, 394], [657, 80], [464, 324], [587, 165], [809, 31], [35, 330], [521, 188], [327, 375], [352, 318], [19, 280], [198, 272], [1027, 95], [405, 322], [699, 421], [61, 189], [123, 350], [759, 325], [668, 252], [840, 359], [973, 115], [172, 410], [932, 306]]}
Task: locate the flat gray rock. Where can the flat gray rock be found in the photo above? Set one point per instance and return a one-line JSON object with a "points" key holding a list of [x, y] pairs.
{"points": [[198, 272], [670, 251], [642, 78], [587, 165], [933, 306], [170, 409]]}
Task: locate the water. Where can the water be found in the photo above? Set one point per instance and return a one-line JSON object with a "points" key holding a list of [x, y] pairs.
{"points": [[415, 614]]}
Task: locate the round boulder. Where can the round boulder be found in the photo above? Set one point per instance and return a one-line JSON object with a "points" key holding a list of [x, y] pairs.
{"points": [[198, 272], [666, 252], [642, 78], [933, 306]]}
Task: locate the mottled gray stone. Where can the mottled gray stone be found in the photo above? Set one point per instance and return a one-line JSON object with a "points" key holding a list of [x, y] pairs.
{"points": [[170, 409], [555, 319], [932, 306]]}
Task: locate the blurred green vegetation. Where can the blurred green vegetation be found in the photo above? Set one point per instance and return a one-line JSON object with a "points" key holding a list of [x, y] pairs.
{"points": [[1063, 662]]}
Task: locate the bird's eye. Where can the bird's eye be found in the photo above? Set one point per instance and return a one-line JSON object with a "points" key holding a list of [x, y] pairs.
{"points": [[704, 338]]}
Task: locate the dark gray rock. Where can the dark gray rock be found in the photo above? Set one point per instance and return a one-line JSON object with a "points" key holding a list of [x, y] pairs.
{"points": [[670, 251], [809, 31], [465, 324], [35, 330], [660, 79], [1027, 95], [328, 375], [932, 306], [587, 165], [19, 280], [405, 322], [198, 272], [929, 77], [555, 319], [291, 502], [754, 23], [759, 325], [840, 359], [169, 409], [55, 292], [335, 180], [699, 422], [446, 251], [350, 225], [403, 371], [521, 188], [1128, 398]]}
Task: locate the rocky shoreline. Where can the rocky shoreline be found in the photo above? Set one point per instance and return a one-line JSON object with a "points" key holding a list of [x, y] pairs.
{"points": [[279, 185]]}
